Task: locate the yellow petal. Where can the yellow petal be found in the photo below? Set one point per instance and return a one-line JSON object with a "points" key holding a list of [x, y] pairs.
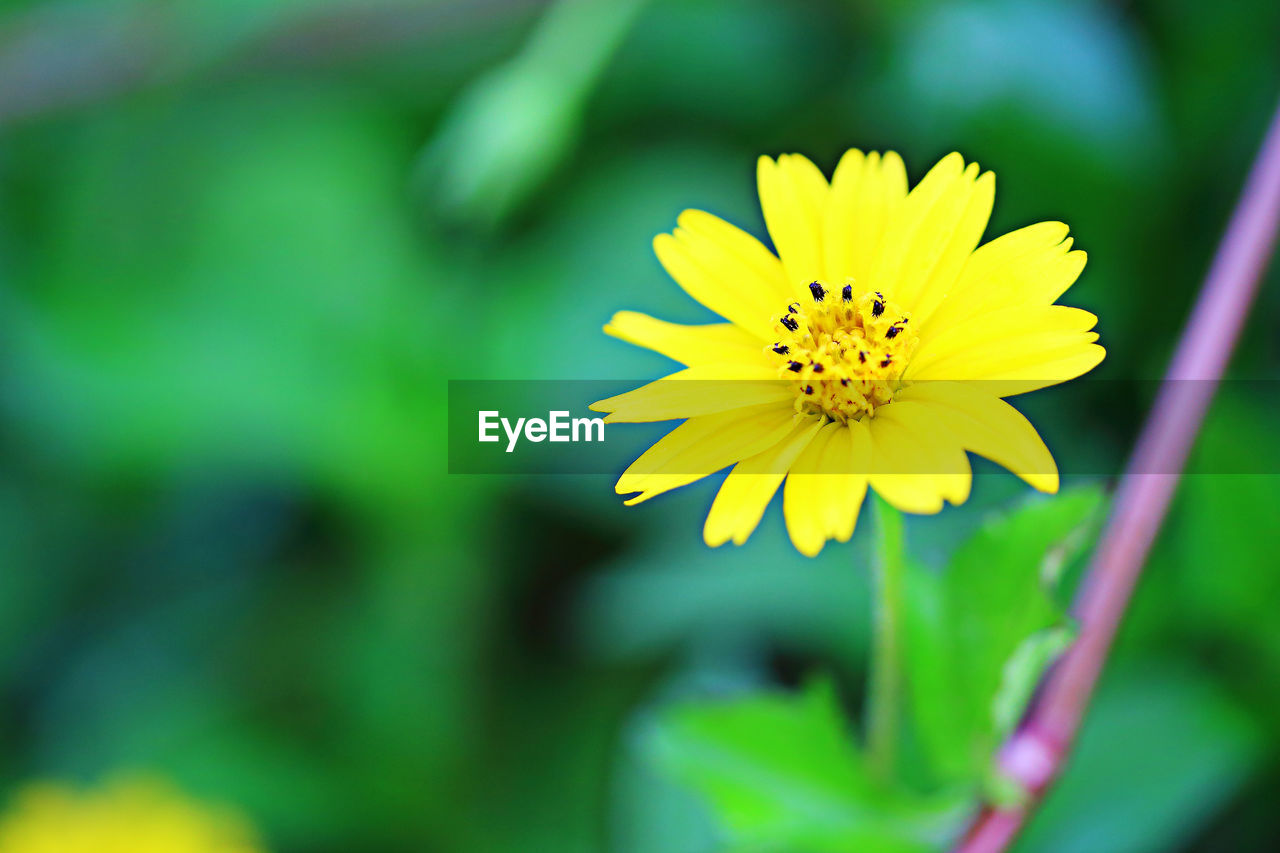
{"points": [[929, 238], [1014, 335], [866, 192], [706, 270], [793, 196], [849, 493], [749, 265], [699, 390], [846, 203], [987, 426], [1021, 364], [1055, 362], [802, 497], [746, 492], [939, 455], [1030, 266], [842, 483], [911, 466], [826, 487], [703, 445], [689, 345], [959, 219]]}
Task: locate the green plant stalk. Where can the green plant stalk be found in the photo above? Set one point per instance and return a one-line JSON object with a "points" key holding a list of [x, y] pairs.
{"points": [[884, 689]]}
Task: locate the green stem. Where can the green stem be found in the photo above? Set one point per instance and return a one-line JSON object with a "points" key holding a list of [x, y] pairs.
{"points": [[884, 691]]}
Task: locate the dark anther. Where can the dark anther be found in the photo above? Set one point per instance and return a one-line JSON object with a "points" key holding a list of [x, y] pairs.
{"points": [[794, 366], [817, 291], [781, 349], [877, 307], [808, 389], [793, 308], [847, 293], [892, 332], [844, 381], [862, 357], [887, 360], [790, 323], [818, 368]]}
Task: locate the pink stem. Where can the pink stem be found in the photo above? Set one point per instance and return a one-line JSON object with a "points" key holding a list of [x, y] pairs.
{"points": [[1034, 755]]}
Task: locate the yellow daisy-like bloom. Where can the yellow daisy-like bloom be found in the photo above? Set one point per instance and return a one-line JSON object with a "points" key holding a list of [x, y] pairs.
{"points": [[127, 815], [872, 351]]}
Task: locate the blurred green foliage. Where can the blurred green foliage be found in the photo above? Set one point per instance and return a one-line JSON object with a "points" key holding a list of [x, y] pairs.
{"points": [[783, 773], [232, 287], [788, 774], [983, 628]]}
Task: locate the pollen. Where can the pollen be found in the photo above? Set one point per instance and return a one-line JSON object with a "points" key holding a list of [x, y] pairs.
{"points": [[843, 357]]}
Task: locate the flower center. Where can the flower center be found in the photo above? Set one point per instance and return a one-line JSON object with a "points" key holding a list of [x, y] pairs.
{"points": [[843, 353]]}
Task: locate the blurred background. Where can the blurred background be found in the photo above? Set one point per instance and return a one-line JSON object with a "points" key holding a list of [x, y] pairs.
{"points": [[244, 245]]}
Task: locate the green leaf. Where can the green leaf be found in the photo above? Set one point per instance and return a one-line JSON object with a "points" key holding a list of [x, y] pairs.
{"points": [[1022, 672], [782, 772], [980, 633], [513, 127]]}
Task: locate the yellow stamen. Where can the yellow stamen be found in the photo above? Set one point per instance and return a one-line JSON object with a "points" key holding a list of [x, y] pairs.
{"points": [[844, 353]]}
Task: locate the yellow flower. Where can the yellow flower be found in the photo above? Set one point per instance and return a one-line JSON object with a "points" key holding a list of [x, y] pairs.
{"points": [[872, 351], [127, 815]]}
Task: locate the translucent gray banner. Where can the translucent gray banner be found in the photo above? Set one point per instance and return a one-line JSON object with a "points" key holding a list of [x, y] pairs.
{"points": [[545, 427]]}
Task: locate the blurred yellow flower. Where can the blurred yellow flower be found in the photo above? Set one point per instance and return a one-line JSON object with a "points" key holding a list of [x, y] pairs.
{"points": [[872, 351], [126, 815]]}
